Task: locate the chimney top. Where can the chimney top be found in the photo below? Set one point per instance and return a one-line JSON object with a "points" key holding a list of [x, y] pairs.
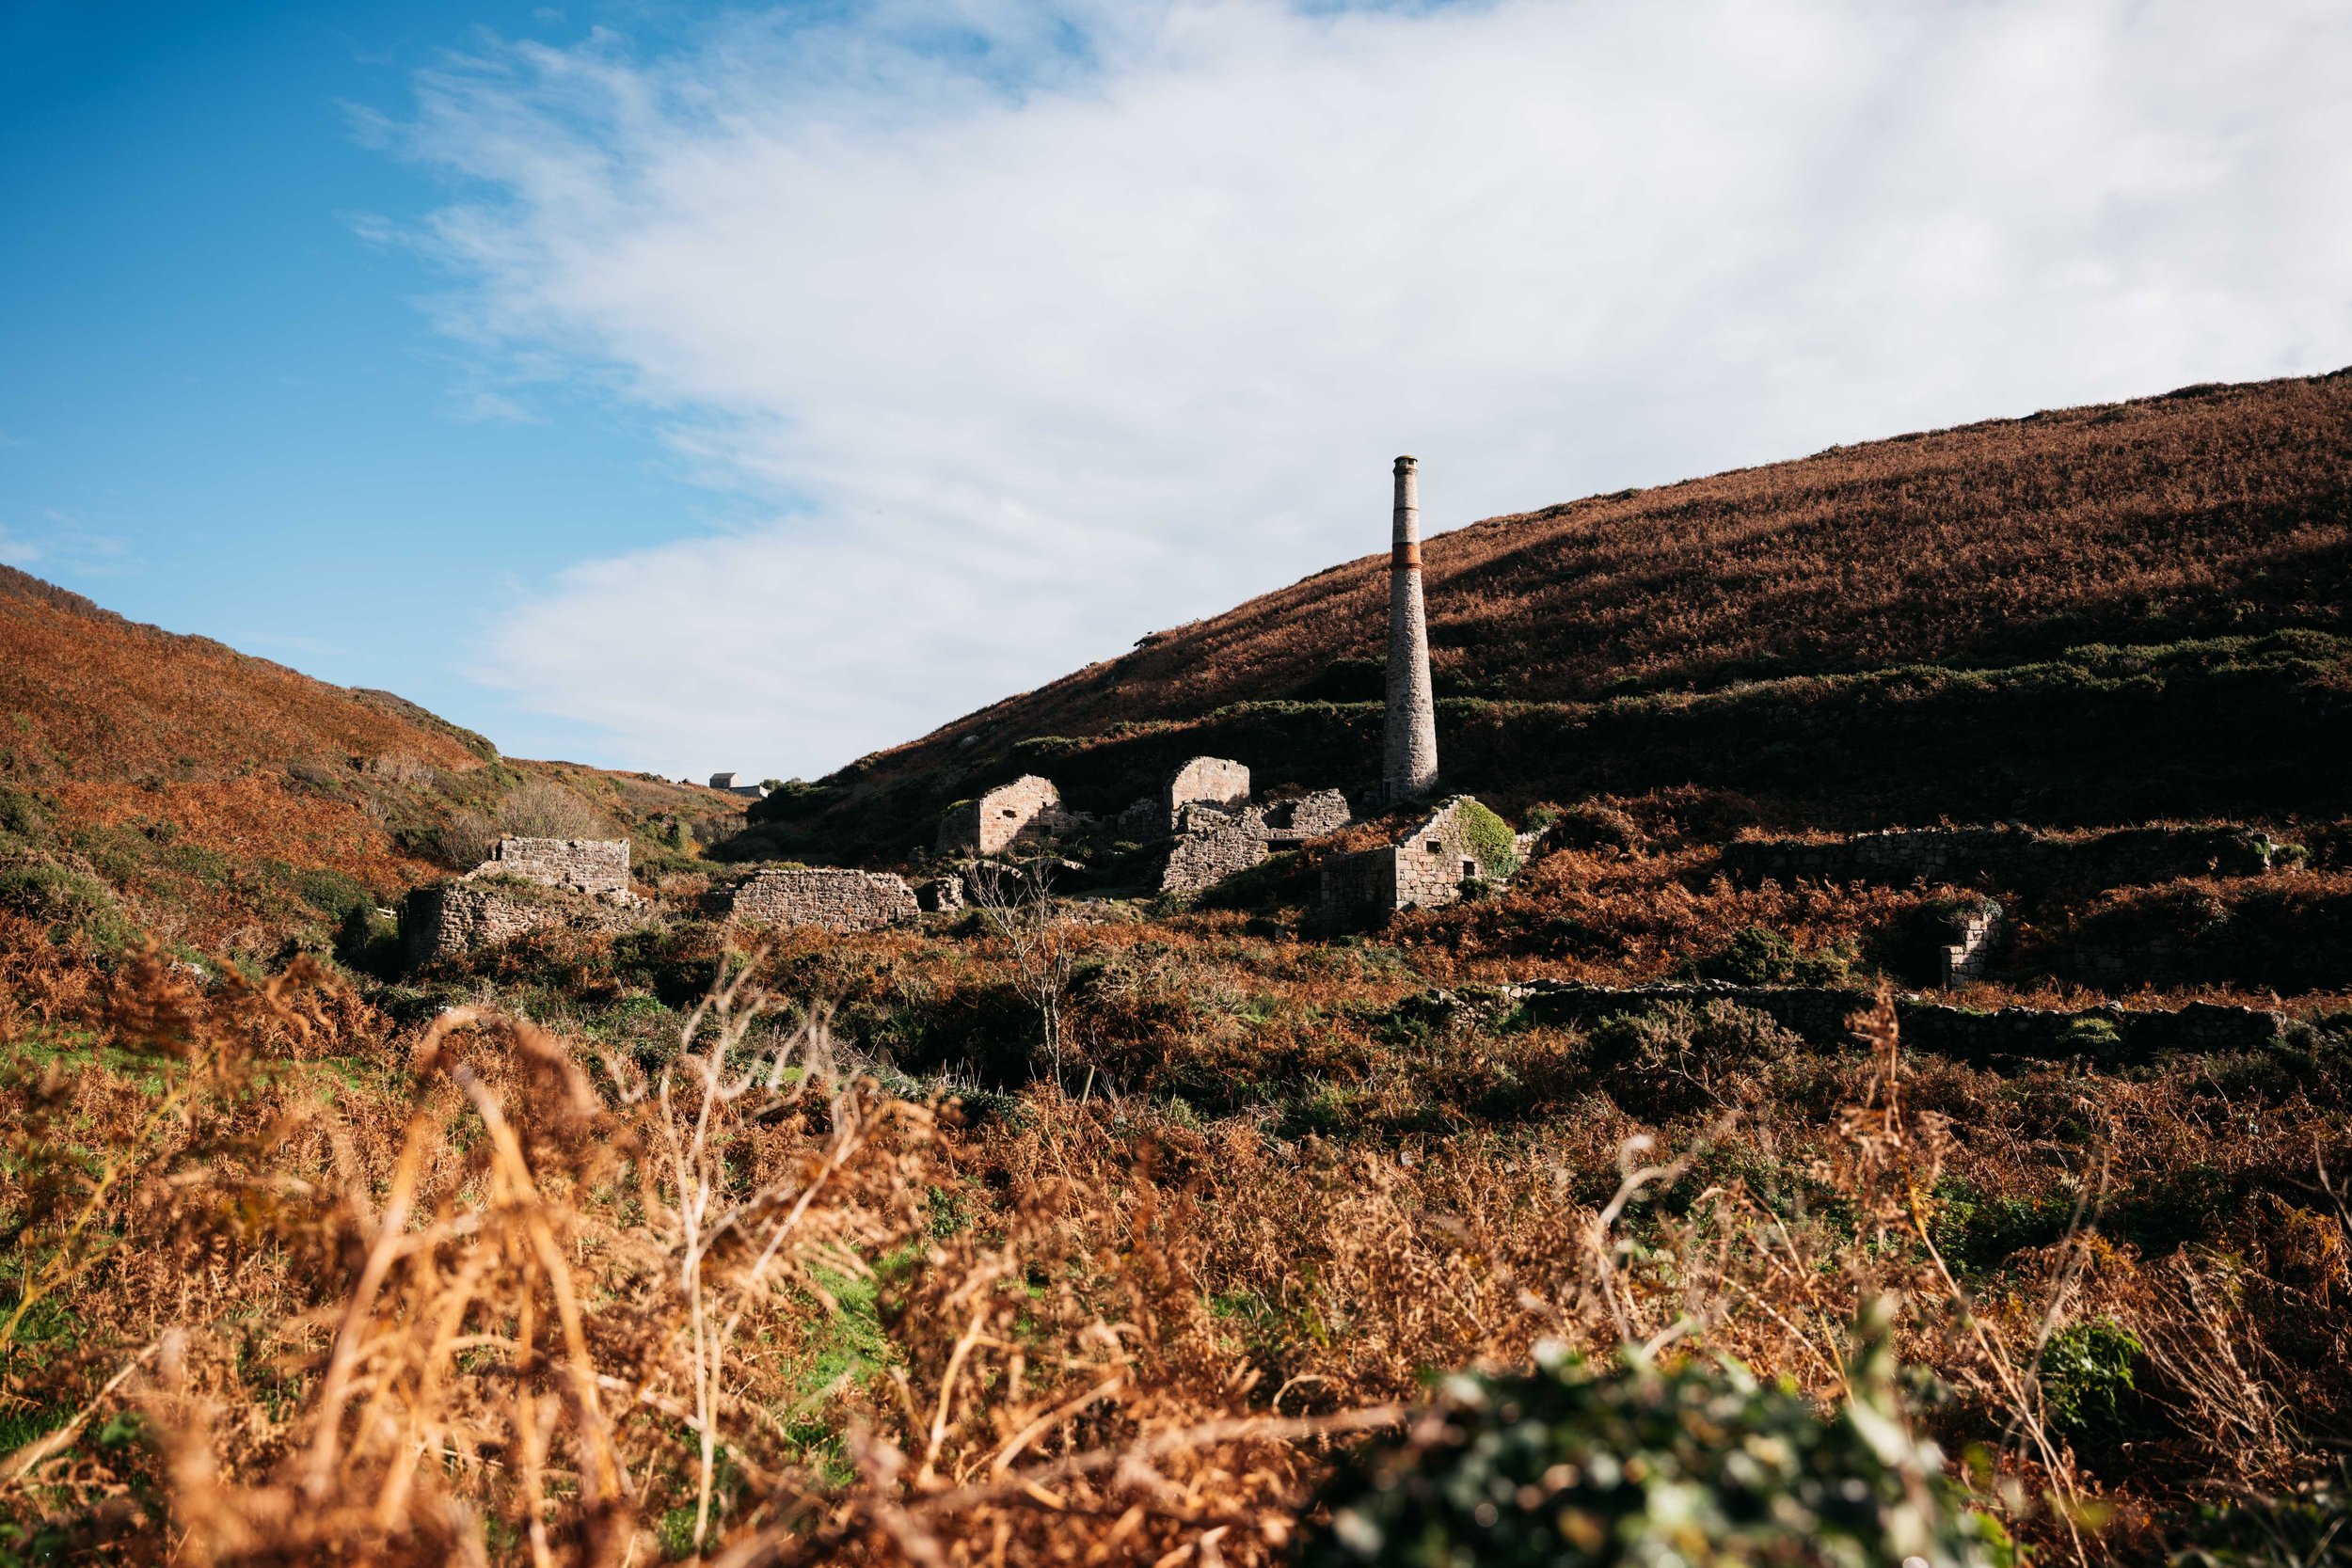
{"points": [[1408, 462]]}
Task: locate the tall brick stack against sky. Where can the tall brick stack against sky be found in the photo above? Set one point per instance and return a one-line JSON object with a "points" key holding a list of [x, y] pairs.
{"points": [[1412, 734]]}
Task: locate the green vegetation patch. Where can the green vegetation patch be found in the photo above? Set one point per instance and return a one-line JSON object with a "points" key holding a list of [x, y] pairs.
{"points": [[1700, 1466]]}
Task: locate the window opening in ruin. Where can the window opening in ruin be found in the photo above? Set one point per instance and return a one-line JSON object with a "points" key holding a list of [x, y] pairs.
{"points": [[1470, 866], [1434, 848]]}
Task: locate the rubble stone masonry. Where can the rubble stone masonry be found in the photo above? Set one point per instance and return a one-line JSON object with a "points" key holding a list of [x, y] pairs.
{"points": [[1213, 851], [1307, 816], [451, 919], [1423, 870], [588, 865], [833, 900]]}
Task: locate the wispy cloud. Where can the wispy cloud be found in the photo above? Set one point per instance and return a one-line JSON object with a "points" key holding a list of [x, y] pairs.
{"points": [[61, 545], [1044, 325]]}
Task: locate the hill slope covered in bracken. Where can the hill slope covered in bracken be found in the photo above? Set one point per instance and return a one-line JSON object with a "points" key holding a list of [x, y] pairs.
{"points": [[171, 783], [2191, 522], [1084, 1223]]}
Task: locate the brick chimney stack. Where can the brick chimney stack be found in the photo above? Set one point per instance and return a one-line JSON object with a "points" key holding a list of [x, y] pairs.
{"points": [[1413, 735]]}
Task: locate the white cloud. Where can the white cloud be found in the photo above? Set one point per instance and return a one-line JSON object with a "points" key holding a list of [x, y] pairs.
{"points": [[1040, 327], [60, 546]]}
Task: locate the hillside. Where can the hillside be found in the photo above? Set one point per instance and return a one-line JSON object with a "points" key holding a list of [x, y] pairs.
{"points": [[2201, 518], [169, 784], [1096, 1221]]}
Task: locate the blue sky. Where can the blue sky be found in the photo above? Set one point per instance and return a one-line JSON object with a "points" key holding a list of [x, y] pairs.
{"points": [[686, 389], [226, 411]]}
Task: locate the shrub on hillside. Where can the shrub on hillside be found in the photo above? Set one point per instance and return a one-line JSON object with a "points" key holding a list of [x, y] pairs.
{"points": [[544, 809], [1587, 825], [1700, 1466], [66, 901], [1676, 1059], [1761, 957]]}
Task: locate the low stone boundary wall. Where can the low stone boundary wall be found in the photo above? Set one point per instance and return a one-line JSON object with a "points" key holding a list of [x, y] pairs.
{"points": [[831, 899], [1819, 1015], [2012, 858]]}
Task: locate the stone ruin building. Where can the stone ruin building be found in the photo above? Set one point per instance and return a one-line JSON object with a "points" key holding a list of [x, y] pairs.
{"points": [[1214, 782], [1204, 814], [1428, 866], [1028, 807], [1216, 832], [526, 884], [599, 867], [1423, 870]]}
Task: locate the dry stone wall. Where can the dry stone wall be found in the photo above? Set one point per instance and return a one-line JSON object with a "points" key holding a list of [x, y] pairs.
{"points": [[833, 900], [2007, 857], [587, 865]]}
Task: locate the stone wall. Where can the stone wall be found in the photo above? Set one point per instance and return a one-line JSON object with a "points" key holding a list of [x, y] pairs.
{"points": [[1307, 816], [1211, 781], [590, 866], [1210, 852], [1820, 1015], [834, 900], [450, 919], [989, 825], [2012, 858]]}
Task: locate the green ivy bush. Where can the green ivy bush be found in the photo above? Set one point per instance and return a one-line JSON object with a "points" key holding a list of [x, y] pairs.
{"points": [[1488, 838], [1699, 1465]]}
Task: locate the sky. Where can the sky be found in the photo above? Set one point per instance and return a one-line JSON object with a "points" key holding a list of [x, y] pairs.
{"points": [[754, 388]]}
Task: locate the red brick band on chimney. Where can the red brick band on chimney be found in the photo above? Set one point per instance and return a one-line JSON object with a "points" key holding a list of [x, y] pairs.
{"points": [[1405, 555]]}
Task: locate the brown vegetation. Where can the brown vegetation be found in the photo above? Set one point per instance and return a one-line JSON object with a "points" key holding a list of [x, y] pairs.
{"points": [[293, 1291]]}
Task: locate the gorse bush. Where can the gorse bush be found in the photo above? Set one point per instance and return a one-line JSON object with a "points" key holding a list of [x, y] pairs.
{"points": [[1700, 1464]]}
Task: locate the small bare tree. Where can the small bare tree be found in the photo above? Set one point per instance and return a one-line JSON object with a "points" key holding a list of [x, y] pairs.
{"points": [[1018, 904]]}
